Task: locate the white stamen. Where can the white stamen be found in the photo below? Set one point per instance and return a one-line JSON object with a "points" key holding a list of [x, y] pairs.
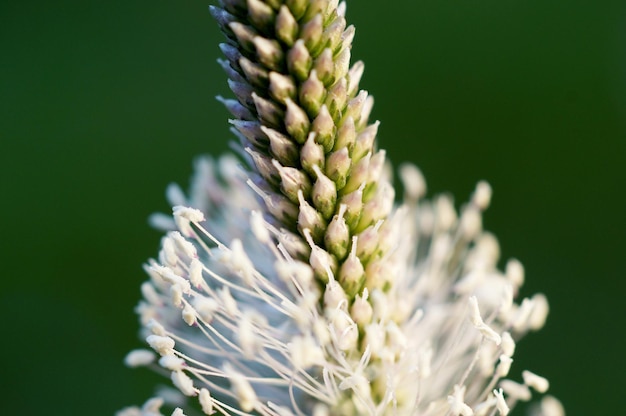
{"points": [[162, 345], [139, 358], [501, 402], [538, 383], [184, 383]]}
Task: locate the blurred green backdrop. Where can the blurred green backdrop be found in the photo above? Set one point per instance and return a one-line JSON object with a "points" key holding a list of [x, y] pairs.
{"points": [[104, 103]]}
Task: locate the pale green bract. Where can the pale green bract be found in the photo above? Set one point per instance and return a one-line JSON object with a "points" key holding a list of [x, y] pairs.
{"points": [[289, 282]]}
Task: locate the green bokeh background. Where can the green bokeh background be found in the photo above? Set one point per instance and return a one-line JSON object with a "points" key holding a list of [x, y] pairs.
{"points": [[102, 104]]}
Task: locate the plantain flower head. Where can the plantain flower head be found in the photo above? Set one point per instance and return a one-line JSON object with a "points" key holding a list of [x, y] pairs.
{"points": [[291, 282]]}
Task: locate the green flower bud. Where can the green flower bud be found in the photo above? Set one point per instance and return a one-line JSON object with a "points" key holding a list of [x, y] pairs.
{"points": [[311, 33], [282, 148], [269, 53], [379, 206], [355, 106], [310, 219], [281, 87], [352, 272], [292, 181], [322, 262], [312, 94], [333, 33], [336, 99], [358, 175], [230, 72], [269, 113], [354, 204], [338, 166], [251, 130], [311, 154], [223, 19], [346, 135], [256, 74], [324, 194], [286, 26], [342, 64], [325, 67], [233, 55], [261, 15], [296, 122], [244, 35], [235, 6], [299, 60], [265, 167], [297, 7], [236, 108], [354, 78], [243, 91], [337, 235], [325, 128], [365, 141]]}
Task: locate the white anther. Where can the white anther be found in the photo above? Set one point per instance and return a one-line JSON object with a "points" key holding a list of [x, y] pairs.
{"points": [[184, 383], [162, 345], [538, 383], [482, 195], [139, 358], [259, 228], [206, 401], [172, 363]]}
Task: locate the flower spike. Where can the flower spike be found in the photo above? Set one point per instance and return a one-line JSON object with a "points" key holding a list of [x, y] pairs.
{"points": [[291, 282]]}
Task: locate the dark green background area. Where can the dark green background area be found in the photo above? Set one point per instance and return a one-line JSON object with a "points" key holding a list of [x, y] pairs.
{"points": [[102, 104]]}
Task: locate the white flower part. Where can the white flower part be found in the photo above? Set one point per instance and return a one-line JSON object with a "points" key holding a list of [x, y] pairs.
{"points": [[184, 246], [515, 273], [172, 363], [195, 273], [175, 195], [550, 406], [184, 383], [413, 181], [176, 295], [539, 313], [538, 383], [152, 406], [508, 344], [129, 411], [504, 366], [242, 388], [290, 283], [503, 408], [162, 344], [155, 327], [139, 358], [361, 310], [150, 294], [478, 323], [471, 223], [178, 412], [184, 216], [247, 337], [515, 390], [305, 352], [206, 401], [258, 227], [457, 405], [482, 195]]}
